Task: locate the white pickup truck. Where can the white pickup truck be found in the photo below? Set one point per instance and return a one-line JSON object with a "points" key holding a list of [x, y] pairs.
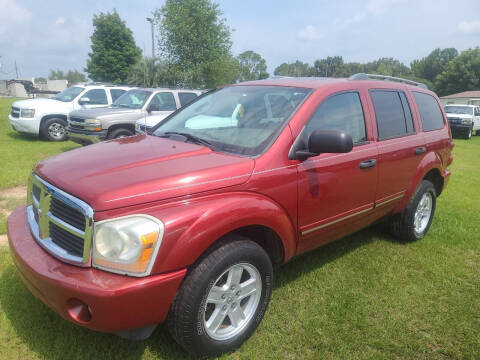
{"points": [[463, 119], [48, 117]]}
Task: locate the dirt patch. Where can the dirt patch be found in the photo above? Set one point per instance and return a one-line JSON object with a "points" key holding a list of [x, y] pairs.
{"points": [[3, 240], [17, 192]]}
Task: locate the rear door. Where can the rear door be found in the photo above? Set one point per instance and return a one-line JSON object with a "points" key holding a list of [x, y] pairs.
{"points": [[401, 146], [97, 97]]}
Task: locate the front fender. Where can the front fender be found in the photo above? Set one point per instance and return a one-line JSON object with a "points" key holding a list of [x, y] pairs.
{"points": [[191, 226], [430, 161]]}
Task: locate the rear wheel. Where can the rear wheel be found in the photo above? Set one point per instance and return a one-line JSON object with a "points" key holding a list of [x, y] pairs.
{"points": [[413, 223], [54, 129], [119, 133], [223, 299]]}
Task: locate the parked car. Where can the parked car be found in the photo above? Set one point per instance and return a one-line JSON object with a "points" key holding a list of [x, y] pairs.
{"points": [[463, 119], [186, 224], [118, 120], [48, 117]]}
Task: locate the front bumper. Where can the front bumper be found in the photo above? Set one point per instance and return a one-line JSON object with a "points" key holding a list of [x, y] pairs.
{"points": [[85, 136], [24, 125], [89, 297], [456, 127]]}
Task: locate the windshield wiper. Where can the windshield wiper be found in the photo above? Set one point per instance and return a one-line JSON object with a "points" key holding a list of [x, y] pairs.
{"points": [[190, 138]]}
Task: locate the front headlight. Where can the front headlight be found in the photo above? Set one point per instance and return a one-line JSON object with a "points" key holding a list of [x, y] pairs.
{"points": [[127, 245], [467, 121], [93, 124], [27, 113]]}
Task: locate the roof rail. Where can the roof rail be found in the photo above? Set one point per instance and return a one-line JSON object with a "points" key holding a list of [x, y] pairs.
{"points": [[363, 76]]}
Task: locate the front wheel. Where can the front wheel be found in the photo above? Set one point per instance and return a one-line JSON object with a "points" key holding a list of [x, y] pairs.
{"points": [[223, 299], [413, 223], [468, 134], [54, 129], [119, 133]]}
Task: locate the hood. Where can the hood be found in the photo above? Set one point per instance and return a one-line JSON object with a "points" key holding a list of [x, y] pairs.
{"points": [[152, 120], [39, 102], [140, 169], [103, 112]]}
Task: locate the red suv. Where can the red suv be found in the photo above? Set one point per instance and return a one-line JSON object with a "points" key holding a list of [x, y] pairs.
{"points": [[185, 224]]}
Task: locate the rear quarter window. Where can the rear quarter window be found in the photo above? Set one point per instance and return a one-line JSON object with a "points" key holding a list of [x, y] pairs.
{"points": [[430, 113]]}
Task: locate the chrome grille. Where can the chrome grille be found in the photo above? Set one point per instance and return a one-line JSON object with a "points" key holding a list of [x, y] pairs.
{"points": [[61, 223], [15, 112]]}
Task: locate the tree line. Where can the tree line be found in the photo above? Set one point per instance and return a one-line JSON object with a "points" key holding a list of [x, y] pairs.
{"points": [[195, 50]]}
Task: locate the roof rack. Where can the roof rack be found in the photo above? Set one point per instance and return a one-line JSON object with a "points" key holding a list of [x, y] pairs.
{"points": [[363, 76]]}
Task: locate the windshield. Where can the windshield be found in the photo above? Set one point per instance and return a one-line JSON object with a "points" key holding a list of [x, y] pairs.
{"points": [[132, 99], [240, 119], [69, 94], [467, 110]]}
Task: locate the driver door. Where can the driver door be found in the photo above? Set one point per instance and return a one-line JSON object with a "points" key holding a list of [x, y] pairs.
{"points": [[336, 192]]}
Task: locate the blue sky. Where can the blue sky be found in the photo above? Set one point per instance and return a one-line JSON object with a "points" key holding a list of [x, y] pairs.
{"points": [[53, 34]]}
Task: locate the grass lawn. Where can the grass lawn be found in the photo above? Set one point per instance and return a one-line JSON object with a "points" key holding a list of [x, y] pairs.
{"points": [[364, 297], [18, 155]]}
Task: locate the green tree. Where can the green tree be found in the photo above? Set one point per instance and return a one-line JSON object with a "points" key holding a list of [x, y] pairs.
{"points": [[72, 76], [40, 80], [113, 49], [432, 65], [387, 66], [461, 74], [252, 66], [56, 75], [150, 72], [195, 41], [327, 67], [296, 69]]}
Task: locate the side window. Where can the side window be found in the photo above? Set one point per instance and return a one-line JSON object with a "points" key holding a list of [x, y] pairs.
{"points": [[97, 97], [186, 97], [392, 112], [163, 102], [343, 112], [116, 93], [430, 112]]}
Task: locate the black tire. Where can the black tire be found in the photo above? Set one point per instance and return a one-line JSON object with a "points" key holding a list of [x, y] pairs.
{"points": [[468, 134], [188, 314], [119, 133], [54, 129], [403, 225]]}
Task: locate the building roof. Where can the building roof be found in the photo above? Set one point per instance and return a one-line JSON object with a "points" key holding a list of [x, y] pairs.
{"points": [[465, 94]]}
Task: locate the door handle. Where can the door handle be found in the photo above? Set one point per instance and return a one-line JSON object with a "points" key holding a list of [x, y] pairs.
{"points": [[368, 163], [420, 150]]}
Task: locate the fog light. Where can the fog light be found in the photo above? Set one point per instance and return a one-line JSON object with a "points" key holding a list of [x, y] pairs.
{"points": [[79, 311]]}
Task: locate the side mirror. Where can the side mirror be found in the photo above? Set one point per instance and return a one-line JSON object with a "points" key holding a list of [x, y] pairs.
{"points": [[84, 100], [326, 141]]}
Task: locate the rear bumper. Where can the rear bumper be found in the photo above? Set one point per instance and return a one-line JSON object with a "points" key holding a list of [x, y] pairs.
{"points": [[89, 297], [86, 137], [27, 126]]}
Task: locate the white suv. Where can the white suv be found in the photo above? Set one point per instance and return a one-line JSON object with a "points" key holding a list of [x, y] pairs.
{"points": [[48, 117]]}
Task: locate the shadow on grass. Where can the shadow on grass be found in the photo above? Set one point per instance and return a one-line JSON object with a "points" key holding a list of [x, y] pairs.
{"points": [[23, 136], [317, 258], [48, 335]]}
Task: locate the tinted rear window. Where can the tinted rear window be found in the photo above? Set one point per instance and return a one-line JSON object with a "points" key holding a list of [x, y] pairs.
{"points": [[430, 112], [186, 97], [394, 118]]}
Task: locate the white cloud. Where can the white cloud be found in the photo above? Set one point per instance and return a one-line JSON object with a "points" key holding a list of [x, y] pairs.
{"points": [[60, 21], [308, 33], [12, 14], [469, 27]]}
